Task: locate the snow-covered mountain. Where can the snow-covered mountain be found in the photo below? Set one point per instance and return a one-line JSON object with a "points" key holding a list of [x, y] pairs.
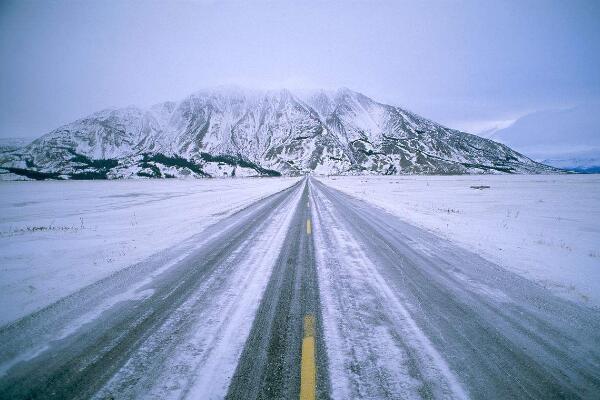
{"points": [[233, 132], [8, 144]]}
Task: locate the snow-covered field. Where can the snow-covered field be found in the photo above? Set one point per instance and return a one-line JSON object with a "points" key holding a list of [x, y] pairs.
{"points": [[546, 228], [56, 236]]}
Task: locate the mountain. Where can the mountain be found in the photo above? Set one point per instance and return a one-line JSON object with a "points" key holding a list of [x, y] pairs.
{"points": [[567, 139], [9, 144], [237, 132], [583, 161]]}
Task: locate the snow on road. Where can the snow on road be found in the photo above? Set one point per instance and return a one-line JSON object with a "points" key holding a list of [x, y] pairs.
{"points": [[57, 237], [213, 323], [408, 314], [363, 320], [543, 227]]}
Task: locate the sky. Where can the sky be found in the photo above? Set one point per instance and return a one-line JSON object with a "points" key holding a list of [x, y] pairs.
{"points": [[471, 65]]}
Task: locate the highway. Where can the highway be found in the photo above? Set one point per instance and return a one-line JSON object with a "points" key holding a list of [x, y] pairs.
{"points": [[308, 293]]}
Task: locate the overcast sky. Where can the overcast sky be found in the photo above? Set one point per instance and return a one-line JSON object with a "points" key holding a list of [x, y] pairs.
{"points": [[467, 64]]}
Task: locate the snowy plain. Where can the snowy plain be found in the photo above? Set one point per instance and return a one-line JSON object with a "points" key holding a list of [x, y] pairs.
{"points": [[57, 237], [543, 227]]}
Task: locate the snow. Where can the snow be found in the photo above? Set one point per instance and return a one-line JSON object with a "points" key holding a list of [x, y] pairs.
{"points": [[545, 228], [276, 130], [362, 317], [584, 159], [238, 310], [218, 319], [57, 237]]}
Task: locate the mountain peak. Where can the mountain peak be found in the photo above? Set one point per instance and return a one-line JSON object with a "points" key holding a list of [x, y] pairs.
{"points": [[229, 130]]}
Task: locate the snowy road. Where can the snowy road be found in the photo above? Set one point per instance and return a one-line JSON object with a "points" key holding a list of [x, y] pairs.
{"points": [[397, 311]]}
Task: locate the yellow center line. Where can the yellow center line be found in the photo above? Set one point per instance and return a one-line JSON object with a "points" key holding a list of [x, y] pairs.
{"points": [[308, 368], [308, 227]]}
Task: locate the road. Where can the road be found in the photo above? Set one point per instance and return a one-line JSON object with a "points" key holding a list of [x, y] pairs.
{"points": [[307, 293]]}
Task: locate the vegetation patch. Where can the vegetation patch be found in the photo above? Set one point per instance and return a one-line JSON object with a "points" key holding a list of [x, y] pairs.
{"points": [[507, 170], [89, 175], [231, 160], [37, 175], [104, 164], [173, 161]]}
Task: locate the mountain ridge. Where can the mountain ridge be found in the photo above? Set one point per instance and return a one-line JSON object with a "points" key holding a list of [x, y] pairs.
{"points": [[239, 132]]}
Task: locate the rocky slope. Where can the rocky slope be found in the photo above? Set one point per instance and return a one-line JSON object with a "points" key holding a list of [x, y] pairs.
{"points": [[235, 132]]}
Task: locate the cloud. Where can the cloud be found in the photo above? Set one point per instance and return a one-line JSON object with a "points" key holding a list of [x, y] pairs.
{"points": [[483, 127]]}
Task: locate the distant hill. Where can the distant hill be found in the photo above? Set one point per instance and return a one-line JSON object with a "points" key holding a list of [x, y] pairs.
{"points": [[568, 139]]}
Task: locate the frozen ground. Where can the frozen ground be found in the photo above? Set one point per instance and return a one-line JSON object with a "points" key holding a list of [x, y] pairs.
{"points": [[217, 306], [57, 237], [546, 228]]}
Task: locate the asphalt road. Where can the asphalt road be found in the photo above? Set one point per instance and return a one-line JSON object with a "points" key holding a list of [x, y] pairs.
{"points": [[269, 367], [308, 291], [434, 321]]}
